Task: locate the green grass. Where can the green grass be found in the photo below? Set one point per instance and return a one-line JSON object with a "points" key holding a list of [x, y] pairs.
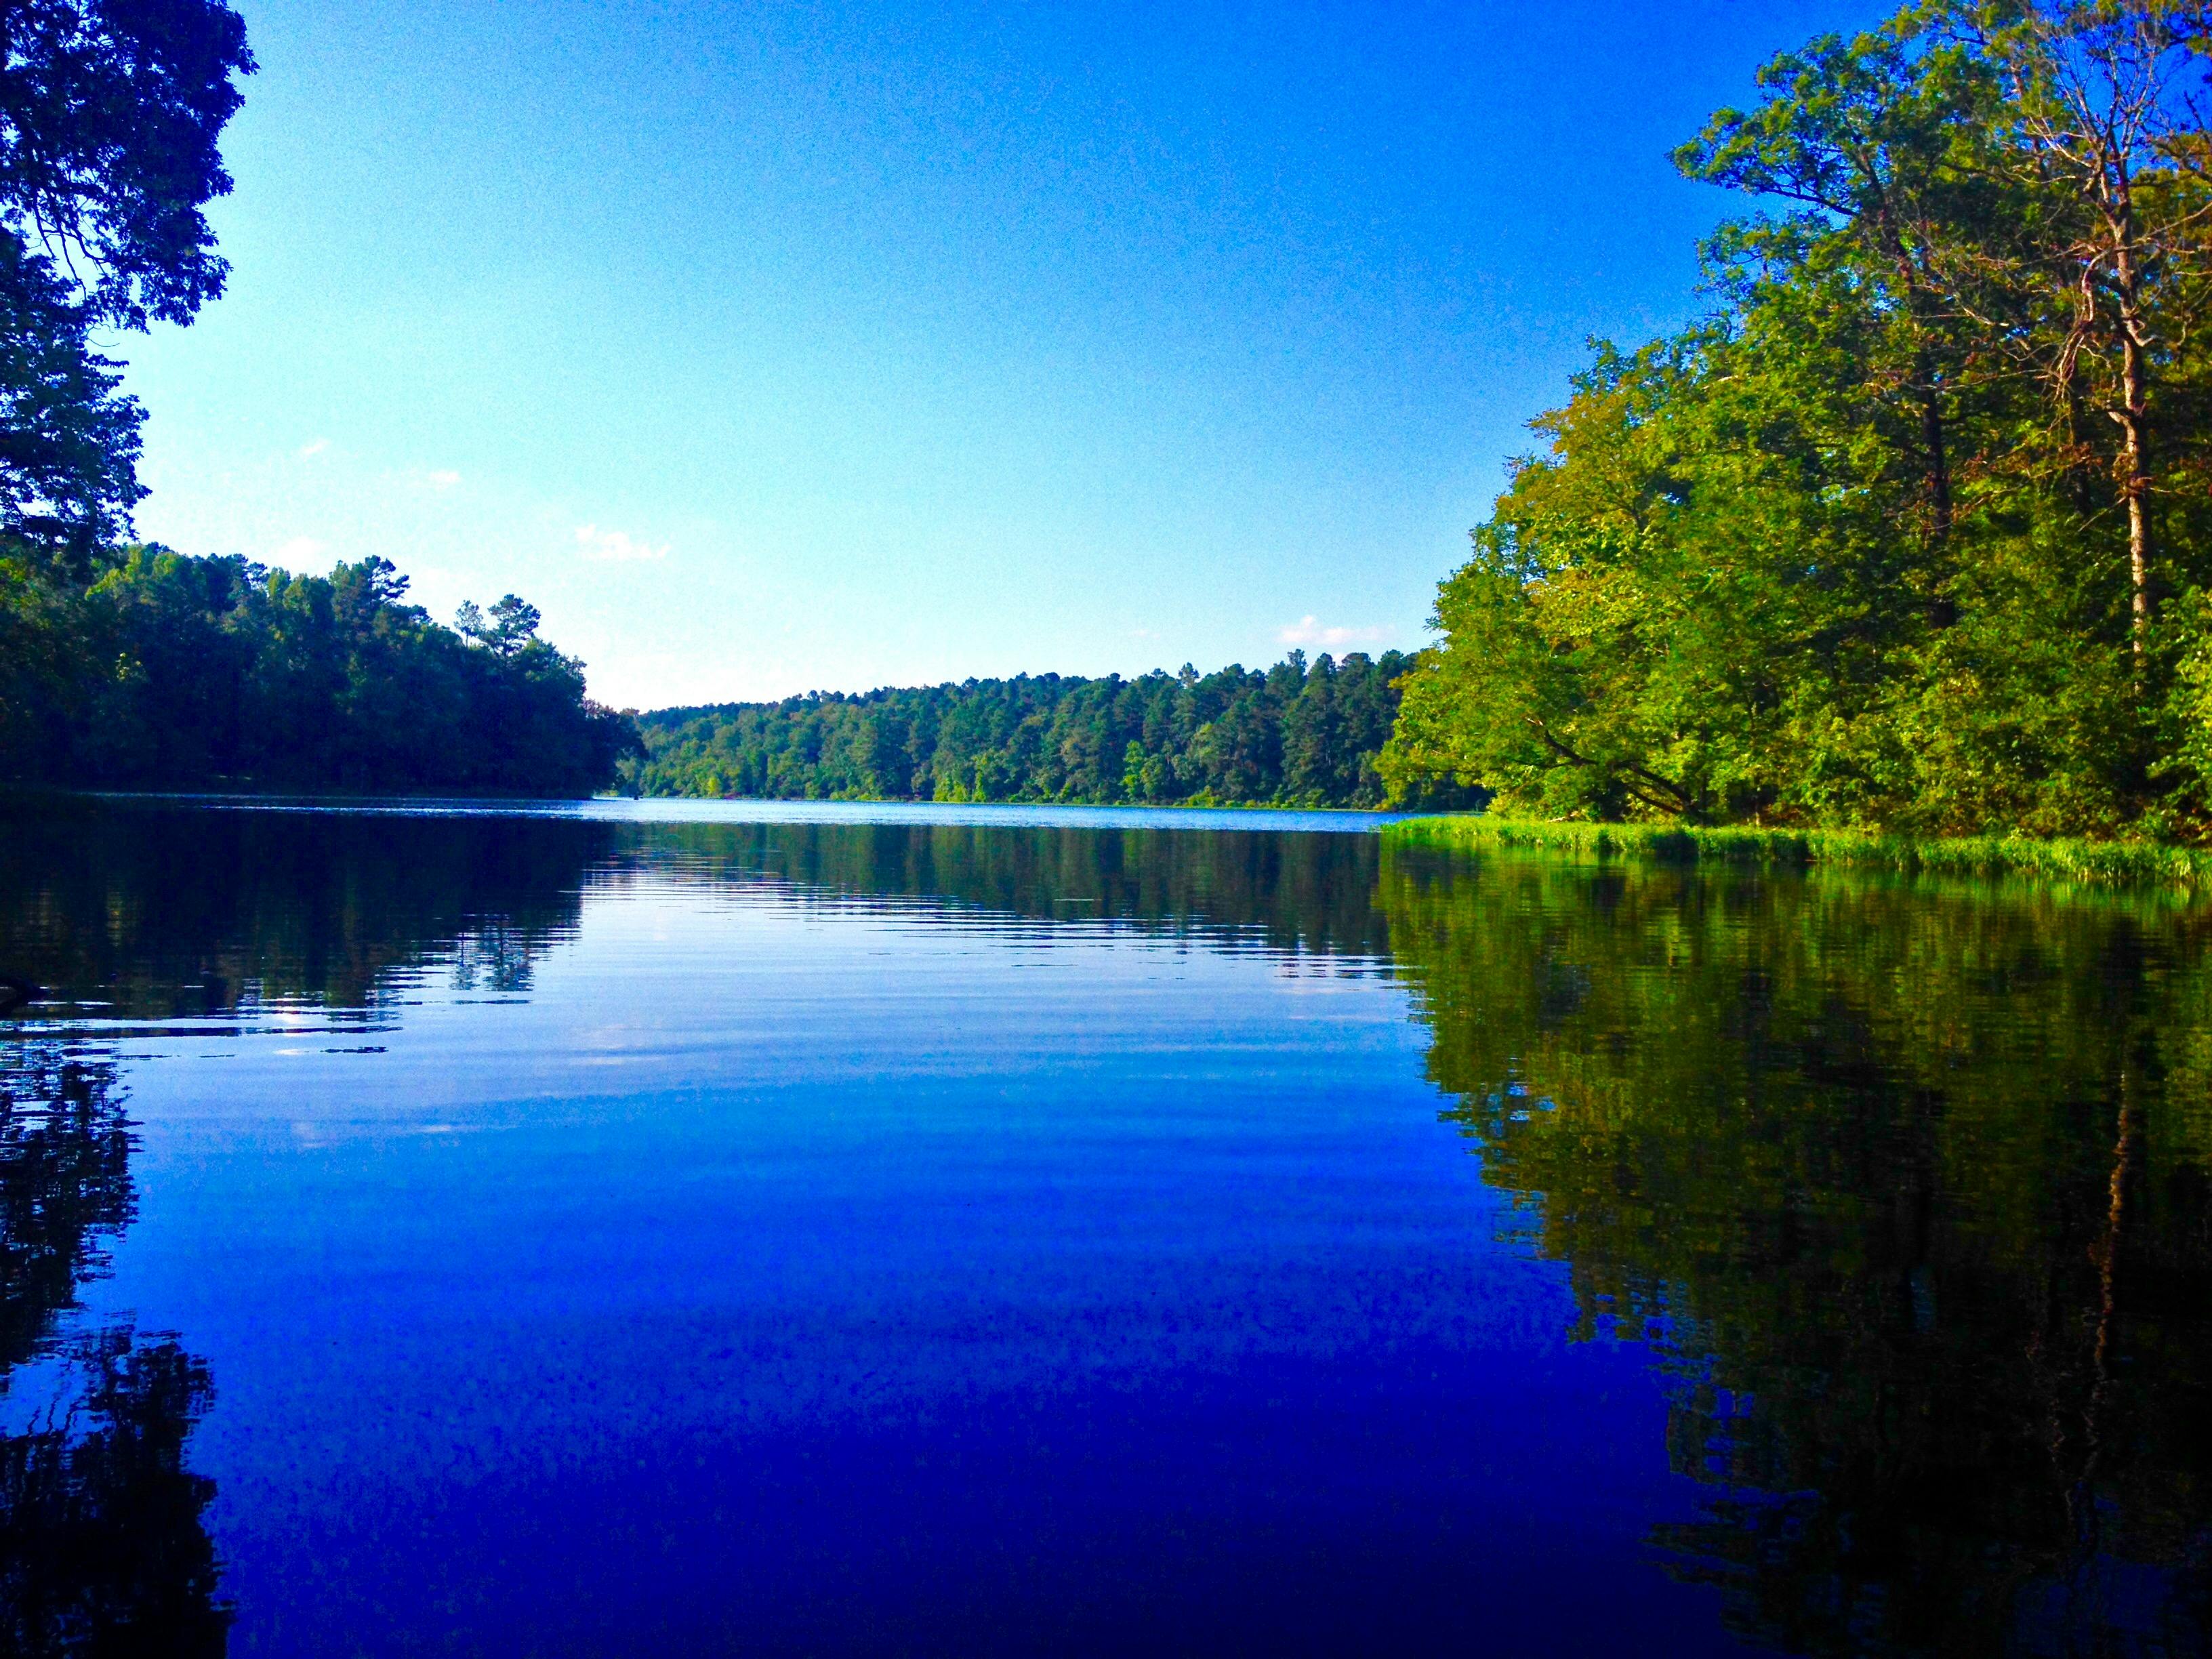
{"points": [[2091, 863]]}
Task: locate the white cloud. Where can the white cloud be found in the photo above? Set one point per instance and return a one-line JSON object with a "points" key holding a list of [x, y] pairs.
{"points": [[443, 480], [594, 543], [300, 551], [314, 447], [1308, 631]]}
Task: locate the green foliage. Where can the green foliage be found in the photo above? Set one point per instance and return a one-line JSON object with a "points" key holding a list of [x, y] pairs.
{"points": [[2060, 860], [1881, 543], [69, 438], [176, 672], [110, 115], [1298, 735]]}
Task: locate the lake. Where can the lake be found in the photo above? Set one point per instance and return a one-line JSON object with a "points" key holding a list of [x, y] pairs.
{"points": [[678, 1227]]}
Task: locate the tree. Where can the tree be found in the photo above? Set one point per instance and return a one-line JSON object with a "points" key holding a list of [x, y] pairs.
{"points": [[512, 625], [1839, 552], [2105, 122], [1880, 142], [110, 114], [69, 438], [1292, 736]]}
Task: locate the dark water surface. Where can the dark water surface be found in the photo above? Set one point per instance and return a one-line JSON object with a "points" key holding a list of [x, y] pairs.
{"points": [[851, 1230]]}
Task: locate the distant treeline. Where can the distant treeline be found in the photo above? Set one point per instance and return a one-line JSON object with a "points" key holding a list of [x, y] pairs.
{"points": [[1296, 735], [152, 669]]}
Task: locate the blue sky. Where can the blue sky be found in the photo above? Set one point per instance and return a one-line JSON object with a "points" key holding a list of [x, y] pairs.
{"points": [[770, 348]]}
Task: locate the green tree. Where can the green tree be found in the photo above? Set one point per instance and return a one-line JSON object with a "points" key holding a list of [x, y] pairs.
{"points": [[1292, 736], [110, 115], [180, 672], [1882, 540]]}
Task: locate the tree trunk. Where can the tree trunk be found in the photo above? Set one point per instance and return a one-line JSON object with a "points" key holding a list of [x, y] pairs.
{"points": [[2136, 456], [2133, 414]]}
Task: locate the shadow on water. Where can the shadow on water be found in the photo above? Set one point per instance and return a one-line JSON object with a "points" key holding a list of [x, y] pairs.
{"points": [[1907, 1192]]}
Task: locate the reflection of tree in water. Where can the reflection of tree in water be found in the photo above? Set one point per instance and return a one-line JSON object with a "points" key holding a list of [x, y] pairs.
{"points": [[495, 956], [155, 912], [1295, 892], [161, 911], [64, 1184], [1909, 1192], [102, 1545]]}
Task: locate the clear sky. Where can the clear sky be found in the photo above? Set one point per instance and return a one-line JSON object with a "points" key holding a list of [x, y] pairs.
{"points": [[770, 348]]}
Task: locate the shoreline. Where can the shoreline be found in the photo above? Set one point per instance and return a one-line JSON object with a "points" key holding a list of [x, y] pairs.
{"points": [[36, 794], [2094, 863]]}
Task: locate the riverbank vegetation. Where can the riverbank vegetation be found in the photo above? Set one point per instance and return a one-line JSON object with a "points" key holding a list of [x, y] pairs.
{"points": [[164, 671], [2070, 859], [1299, 734], [1913, 532]]}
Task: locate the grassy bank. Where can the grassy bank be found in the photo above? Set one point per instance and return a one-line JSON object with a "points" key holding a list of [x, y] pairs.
{"points": [[2096, 863]]}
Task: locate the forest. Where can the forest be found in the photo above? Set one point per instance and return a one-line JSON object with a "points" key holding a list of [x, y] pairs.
{"points": [[1297, 735], [1913, 528], [165, 671]]}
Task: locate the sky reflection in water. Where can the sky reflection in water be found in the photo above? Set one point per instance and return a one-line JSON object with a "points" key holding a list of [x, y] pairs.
{"points": [[615, 1232]]}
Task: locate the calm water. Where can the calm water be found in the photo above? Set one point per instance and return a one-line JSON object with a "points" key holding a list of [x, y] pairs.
{"points": [[856, 1229]]}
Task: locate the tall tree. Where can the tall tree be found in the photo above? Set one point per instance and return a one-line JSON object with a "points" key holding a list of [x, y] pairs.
{"points": [[2105, 119], [1880, 142]]}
